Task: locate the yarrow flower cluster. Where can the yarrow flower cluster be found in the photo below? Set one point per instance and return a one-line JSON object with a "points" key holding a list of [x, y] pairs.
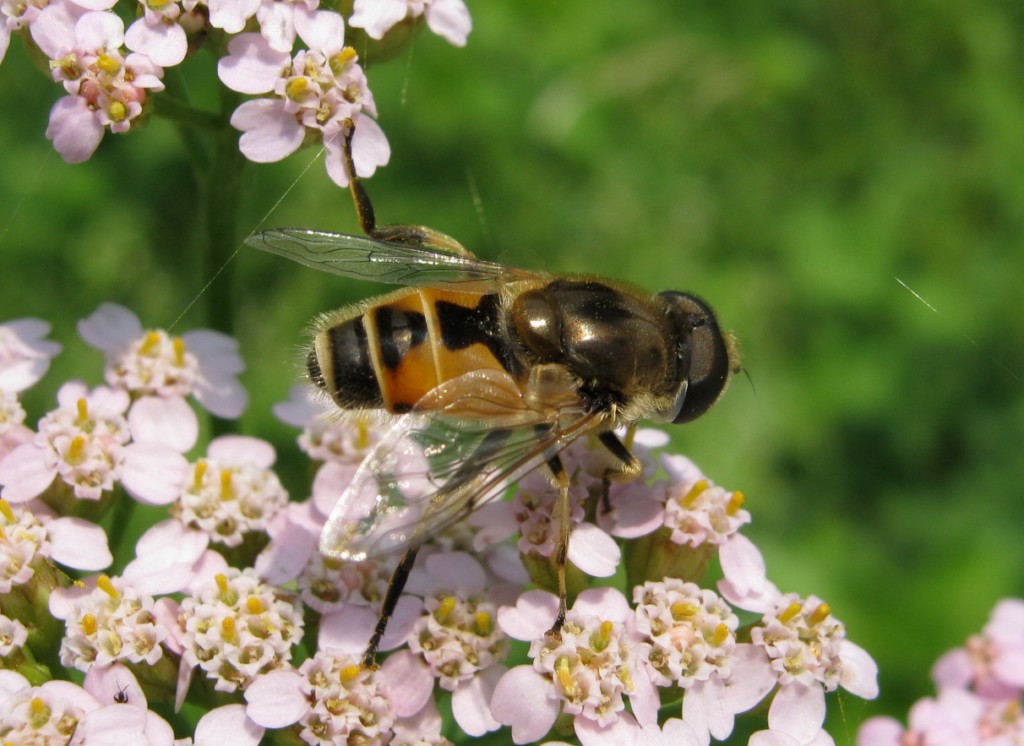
{"points": [[314, 94], [980, 696], [230, 541]]}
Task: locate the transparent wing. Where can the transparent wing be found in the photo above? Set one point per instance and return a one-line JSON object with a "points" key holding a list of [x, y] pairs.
{"points": [[433, 468], [378, 261]]}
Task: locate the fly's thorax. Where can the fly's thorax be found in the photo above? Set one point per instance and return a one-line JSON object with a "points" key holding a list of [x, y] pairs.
{"points": [[613, 340], [391, 351]]}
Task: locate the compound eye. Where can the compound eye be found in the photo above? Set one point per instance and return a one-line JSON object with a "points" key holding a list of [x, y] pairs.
{"points": [[705, 357]]}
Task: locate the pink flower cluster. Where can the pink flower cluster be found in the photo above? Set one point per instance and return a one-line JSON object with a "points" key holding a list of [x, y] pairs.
{"points": [[980, 696], [319, 94], [228, 586]]}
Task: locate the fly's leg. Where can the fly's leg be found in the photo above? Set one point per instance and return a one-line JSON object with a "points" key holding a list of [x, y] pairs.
{"points": [[628, 467], [409, 235], [560, 479], [395, 587]]}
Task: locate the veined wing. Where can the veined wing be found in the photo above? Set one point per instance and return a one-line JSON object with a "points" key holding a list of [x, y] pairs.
{"points": [[380, 261], [433, 468]]}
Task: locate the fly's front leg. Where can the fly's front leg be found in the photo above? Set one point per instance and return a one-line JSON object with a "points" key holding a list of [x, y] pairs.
{"points": [[409, 235], [627, 468]]}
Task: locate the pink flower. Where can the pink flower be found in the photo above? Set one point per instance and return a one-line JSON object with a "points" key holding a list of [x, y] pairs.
{"points": [[232, 491], [332, 698], [808, 651], [991, 663], [237, 628], [448, 19], [689, 641], [85, 442], [106, 89], [322, 91], [107, 620], [157, 33], [458, 637], [41, 714], [161, 370], [25, 353], [30, 536], [584, 671]]}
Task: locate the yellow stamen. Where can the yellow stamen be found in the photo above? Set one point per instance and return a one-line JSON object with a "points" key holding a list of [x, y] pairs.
{"points": [[200, 472], [150, 343], [791, 611], [157, 4], [104, 584], [602, 638], [228, 632], [179, 351], [253, 605], [108, 64], [348, 673], [83, 410], [342, 58], [39, 713], [226, 493], [483, 623], [735, 503], [89, 624], [296, 87], [820, 614], [564, 676], [445, 609], [5, 508], [696, 491], [222, 582], [117, 111], [76, 451], [682, 610], [721, 634]]}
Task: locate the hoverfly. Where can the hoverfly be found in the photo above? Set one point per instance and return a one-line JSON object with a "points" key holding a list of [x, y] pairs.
{"points": [[487, 372]]}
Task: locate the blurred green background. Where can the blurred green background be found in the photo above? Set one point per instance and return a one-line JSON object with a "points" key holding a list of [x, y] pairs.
{"points": [[788, 161]]}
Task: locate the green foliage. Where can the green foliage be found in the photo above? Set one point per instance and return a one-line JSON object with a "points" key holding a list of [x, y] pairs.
{"points": [[787, 161]]}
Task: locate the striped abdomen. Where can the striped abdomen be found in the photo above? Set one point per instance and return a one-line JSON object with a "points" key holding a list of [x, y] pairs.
{"points": [[404, 345]]}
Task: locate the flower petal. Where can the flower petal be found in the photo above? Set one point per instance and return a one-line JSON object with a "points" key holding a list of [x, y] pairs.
{"points": [[593, 551], [153, 473], [79, 544], [169, 421], [269, 133], [409, 680], [227, 725], [251, 65], [798, 710], [110, 327], [450, 20], [275, 699], [521, 699], [25, 472], [74, 129], [471, 702]]}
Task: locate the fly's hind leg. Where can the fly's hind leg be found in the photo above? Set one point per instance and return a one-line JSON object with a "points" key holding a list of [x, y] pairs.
{"points": [[395, 587], [409, 235]]}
